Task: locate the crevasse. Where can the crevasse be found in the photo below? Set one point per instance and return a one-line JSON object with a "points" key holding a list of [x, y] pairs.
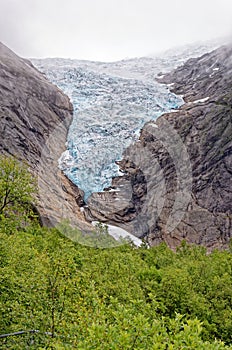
{"points": [[109, 110]]}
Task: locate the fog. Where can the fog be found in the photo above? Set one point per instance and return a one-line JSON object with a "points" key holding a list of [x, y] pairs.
{"points": [[109, 30]]}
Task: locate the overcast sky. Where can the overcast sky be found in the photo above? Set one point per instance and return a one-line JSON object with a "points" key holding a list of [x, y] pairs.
{"points": [[109, 30]]}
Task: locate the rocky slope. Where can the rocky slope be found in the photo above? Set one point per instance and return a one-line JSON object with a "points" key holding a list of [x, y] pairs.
{"points": [[35, 117], [177, 180]]}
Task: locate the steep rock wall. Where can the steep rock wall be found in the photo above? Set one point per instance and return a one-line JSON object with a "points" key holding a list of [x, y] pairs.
{"points": [[35, 116], [142, 200]]}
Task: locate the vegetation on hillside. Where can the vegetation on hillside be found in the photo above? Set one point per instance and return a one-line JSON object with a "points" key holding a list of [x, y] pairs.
{"points": [[17, 187], [79, 297]]}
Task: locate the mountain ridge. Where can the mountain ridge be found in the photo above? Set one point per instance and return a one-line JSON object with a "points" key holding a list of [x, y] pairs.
{"points": [[204, 125]]}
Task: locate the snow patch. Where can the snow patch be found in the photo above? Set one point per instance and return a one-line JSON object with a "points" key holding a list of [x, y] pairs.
{"points": [[160, 76], [119, 233], [154, 124], [201, 100]]}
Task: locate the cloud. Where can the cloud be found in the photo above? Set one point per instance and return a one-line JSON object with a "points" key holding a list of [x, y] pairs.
{"points": [[109, 29]]}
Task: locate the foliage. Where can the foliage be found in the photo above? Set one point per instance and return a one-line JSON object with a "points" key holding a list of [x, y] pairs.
{"points": [[99, 238], [118, 298], [16, 192], [80, 297]]}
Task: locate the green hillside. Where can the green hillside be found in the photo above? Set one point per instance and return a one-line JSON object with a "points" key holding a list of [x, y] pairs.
{"points": [[76, 297]]}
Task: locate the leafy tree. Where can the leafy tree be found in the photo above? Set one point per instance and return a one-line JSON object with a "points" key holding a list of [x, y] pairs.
{"points": [[17, 187]]}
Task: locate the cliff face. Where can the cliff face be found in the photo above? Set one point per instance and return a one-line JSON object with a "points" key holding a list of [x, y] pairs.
{"points": [[35, 116], [177, 180]]}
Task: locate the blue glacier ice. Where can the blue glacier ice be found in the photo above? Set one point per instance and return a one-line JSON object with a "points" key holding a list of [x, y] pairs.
{"points": [[108, 115], [112, 101]]}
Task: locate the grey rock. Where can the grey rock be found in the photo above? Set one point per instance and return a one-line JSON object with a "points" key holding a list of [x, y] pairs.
{"points": [[35, 116], [144, 197]]}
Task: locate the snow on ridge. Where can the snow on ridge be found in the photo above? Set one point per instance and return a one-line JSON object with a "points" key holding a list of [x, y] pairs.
{"points": [[201, 100]]}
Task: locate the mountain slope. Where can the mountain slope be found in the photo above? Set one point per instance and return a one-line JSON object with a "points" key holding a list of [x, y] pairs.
{"points": [[138, 201], [35, 116]]}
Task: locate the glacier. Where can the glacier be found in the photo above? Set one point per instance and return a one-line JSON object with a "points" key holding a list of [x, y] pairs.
{"points": [[112, 102]]}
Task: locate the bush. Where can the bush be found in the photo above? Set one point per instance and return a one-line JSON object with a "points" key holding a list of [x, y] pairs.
{"points": [[17, 188]]}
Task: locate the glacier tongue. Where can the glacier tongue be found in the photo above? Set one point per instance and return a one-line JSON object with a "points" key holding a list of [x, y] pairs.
{"points": [[112, 101], [109, 111]]}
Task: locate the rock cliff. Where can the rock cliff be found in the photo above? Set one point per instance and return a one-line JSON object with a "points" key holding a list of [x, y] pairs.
{"points": [[177, 181], [35, 116]]}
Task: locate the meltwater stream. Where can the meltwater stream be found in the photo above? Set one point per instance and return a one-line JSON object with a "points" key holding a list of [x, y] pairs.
{"points": [[112, 101]]}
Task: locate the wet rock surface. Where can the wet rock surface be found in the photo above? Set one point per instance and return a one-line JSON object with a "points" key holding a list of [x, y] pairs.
{"points": [[35, 117], [142, 200]]}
